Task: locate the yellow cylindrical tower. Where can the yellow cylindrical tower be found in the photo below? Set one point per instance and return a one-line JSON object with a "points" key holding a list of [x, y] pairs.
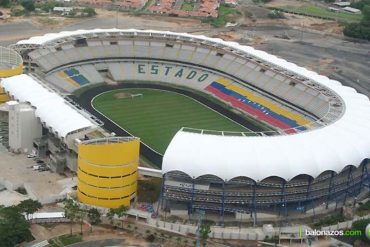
{"points": [[107, 171], [11, 64]]}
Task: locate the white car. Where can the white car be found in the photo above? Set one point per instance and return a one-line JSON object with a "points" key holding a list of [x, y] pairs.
{"points": [[31, 155], [36, 167]]}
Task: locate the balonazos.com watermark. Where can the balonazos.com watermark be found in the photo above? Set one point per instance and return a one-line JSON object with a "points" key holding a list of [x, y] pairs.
{"points": [[334, 233]]}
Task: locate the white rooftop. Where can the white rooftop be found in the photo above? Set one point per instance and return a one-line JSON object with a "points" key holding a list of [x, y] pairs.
{"points": [[46, 215], [352, 10], [342, 4], [333, 147], [51, 108]]}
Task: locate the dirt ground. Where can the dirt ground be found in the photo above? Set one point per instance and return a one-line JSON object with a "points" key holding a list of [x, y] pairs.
{"points": [[42, 232], [46, 21], [279, 3], [121, 95], [13, 29]]}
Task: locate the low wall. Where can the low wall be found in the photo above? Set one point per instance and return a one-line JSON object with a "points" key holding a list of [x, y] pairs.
{"points": [[216, 231]]}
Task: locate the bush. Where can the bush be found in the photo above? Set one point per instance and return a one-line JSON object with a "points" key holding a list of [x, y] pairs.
{"points": [[28, 5], [21, 190], [89, 11], [49, 5], [273, 239], [5, 3], [357, 30], [276, 14], [150, 238], [360, 4], [360, 30], [363, 209], [330, 220], [70, 239], [261, 1]]}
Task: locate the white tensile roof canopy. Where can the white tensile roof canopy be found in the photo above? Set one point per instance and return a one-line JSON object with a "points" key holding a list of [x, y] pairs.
{"points": [[51, 108], [343, 142]]}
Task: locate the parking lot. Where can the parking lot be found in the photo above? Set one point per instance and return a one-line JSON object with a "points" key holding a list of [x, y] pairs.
{"points": [[17, 171]]}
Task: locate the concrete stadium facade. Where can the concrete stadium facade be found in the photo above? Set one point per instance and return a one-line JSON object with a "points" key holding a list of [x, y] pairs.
{"points": [[318, 155]]}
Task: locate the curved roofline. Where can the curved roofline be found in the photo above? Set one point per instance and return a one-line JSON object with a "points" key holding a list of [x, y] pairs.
{"points": [[266, 177]]}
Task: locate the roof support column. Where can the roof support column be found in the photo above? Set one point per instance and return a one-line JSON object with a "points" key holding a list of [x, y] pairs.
{"points": [[367, 174], [254, 203], [363, 174], [349, 180], [192, 195], [328, 197], [309, 189], [283, 199], [223, 203]]}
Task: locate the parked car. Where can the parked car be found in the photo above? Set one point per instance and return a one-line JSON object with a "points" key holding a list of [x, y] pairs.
{"points": [[43, 168], [36, 167]]}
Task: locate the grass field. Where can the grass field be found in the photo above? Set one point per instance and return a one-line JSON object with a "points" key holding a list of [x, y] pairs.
{"points": [[187, 6], [323, 13], [158, 115]]}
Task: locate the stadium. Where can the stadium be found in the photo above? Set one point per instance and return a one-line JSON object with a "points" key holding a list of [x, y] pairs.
{"points": [[265, 136]]}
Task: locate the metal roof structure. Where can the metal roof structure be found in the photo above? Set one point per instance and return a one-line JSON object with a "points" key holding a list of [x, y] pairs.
{"points": [[52, 109]]}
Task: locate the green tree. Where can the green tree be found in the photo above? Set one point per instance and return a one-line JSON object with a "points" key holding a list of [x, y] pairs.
{"points": [[361, 225], [5, 3], [121, 211], [28, 5], [110, 215], [14, 228], [94, 217], [49, 5], [178, 240], [204, 231], [360, 30], [88, 11], [366, 14], [360, 4], [71, 210], [29, 207], [80, 216]]}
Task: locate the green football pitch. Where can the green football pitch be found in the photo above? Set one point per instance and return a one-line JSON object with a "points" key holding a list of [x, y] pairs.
{"points": [[155, 115]]}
